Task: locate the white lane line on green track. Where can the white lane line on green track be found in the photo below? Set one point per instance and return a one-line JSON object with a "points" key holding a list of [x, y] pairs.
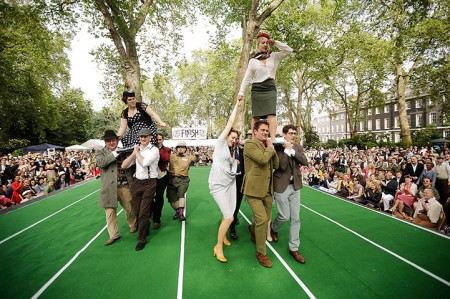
{"points": [[48, 283], [49, 216], [381, 247], [283, 262], [181, 268]]}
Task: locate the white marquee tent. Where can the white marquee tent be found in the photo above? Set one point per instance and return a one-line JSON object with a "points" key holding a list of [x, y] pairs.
{"points": [[77, 147], [94, 143]]}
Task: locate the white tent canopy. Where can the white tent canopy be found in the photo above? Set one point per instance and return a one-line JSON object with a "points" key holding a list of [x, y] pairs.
{"points": [[77, 147], [94, 143], [194, 142]]}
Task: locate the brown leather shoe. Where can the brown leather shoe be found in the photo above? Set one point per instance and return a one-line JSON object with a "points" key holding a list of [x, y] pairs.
{"points": [[252, 235], [156, 225], [133, 229], [264, 260], [297, 256], [111, 241], [274, 235]]}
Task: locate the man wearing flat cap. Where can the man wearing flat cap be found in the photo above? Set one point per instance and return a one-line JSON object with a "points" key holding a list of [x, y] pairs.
{"points": [[115, 186], [180, 161], [145, 156]]}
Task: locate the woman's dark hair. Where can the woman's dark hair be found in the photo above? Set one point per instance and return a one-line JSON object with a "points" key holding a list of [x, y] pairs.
{"points": [[233, 130]]}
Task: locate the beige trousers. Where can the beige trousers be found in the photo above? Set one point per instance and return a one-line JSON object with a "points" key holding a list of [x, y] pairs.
{"points": [[125, 197]]}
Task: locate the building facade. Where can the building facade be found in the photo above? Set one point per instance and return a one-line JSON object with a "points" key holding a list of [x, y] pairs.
{"points": [[384, 121]]}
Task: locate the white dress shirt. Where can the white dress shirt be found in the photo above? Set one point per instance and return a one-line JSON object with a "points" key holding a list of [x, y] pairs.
{"points": [[150, 161]]}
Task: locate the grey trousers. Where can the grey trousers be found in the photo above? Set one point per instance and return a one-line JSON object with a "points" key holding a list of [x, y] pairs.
{"points": [[288, 206]]}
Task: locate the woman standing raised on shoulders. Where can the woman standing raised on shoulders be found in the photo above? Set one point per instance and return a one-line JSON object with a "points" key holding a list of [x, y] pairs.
{"points": [[261, 72], [136, 116], [222, 181]]}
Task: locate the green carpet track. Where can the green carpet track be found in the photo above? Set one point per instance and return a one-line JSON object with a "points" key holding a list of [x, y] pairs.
{"points": [[54, 248]]}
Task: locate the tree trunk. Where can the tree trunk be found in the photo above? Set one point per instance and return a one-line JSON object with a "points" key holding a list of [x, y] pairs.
{"points": [[133, 70], [402, 83], [300, 87]]}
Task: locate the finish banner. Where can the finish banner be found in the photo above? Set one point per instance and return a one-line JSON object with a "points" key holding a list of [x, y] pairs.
{"points": [[189, 133]]}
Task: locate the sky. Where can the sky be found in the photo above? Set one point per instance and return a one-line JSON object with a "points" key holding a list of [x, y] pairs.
{"points": [[86, 75]]}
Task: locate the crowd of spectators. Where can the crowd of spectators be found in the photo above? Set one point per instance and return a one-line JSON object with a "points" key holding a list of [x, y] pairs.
{"points": [[393, 180], [24, 178]]}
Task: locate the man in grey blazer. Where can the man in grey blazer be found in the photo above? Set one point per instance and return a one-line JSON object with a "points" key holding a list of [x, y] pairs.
{"points": [[287, 184], [115, 186]]}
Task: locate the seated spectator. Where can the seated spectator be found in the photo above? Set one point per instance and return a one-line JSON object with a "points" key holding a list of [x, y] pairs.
{"points": [[326, 179], [41, 172], [405, 196], [27, 186], [345, 186], [428, 211], [60, 181], [5, 202], [372, 195], [78, 176], [426, 184], [315, 176], [50, 187], [428, 172], [357, 192], [26, 196], [40, 187], [389, 187]]}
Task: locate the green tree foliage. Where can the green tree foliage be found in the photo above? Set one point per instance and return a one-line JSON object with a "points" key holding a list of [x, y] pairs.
{"points": [[423, 137], [33, 67], [418, 34], [206, 86], [106, 119], [74, 119]]}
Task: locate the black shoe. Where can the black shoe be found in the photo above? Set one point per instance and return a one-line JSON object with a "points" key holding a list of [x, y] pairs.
{"points": [[176, 216], [236, 221], [234, 235], [140, 246], [182, 218]]}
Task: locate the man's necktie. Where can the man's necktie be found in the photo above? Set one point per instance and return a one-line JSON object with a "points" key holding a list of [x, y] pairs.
{"points": [[236, 156]]}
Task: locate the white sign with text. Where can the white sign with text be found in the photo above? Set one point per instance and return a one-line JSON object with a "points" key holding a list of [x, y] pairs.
{"points": [[189, 133]]}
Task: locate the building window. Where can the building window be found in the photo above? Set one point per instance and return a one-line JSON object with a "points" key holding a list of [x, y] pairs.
{"points": [[386, 123], [387, 108], [361, 126], [377, 110], [369, 125], [369, 111], [342, 115], [419, 120], [342, 128], [408, 105], [447, 134], [395, 107], [332, 129], [377, 124], [418, 104], [433, 118], [397, 137], [396, 122]]}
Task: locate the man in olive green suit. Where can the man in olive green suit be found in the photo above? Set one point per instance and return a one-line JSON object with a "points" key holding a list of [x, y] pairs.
{"points": [[260, 159]]}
